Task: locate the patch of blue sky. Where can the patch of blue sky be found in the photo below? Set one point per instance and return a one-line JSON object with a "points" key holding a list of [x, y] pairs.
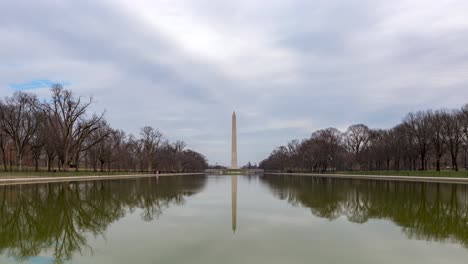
{"points": [[9, 65], [34, 84]]}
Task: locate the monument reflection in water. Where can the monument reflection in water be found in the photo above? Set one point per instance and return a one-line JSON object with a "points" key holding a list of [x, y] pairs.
{"points": [[234, 202]]}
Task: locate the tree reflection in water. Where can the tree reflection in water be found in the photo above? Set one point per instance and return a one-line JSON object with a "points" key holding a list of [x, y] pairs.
{"points": [[57, 217], [428, 211]]}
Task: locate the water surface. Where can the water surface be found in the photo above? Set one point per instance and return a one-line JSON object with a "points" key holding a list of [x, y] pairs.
{"points": [[238, 219]]}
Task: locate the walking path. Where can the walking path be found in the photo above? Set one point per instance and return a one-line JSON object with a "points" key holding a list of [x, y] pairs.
{"points": [[382, 177], [35, 179]]}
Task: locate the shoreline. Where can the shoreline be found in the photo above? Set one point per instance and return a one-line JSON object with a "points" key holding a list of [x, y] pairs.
{"points": [[18, 180], [40, 179], [426, 179]]}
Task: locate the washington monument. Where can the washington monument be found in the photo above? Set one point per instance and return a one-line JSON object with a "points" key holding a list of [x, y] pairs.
{"points": [[234, 142]]}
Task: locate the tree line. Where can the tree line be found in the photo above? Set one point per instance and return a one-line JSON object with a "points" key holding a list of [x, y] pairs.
{"points": [[61, 134], [424, 140]]}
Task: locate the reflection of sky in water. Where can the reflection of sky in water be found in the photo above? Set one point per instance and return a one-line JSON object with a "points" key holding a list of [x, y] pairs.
{"points": [[269, 230], [32, 260], [41, 260]]}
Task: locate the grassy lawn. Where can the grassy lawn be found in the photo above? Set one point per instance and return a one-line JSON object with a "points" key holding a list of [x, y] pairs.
{"points": [[444, 173], [13, 174]]}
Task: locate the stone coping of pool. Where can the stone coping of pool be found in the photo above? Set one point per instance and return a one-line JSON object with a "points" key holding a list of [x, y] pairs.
{"points": [[34, 180], [381, 177]]}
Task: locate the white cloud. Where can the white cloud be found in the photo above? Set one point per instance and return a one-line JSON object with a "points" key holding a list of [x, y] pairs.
{"points": [[286, 67]]}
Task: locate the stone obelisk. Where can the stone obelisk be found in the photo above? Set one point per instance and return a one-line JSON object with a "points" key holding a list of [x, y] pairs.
{"points": [[234, 142]]}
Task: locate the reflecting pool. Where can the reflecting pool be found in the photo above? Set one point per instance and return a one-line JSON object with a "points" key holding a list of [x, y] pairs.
{"points": [[234, 219]]}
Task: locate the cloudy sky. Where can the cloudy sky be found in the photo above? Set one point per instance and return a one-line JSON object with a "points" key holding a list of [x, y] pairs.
{"points": [[286, 67]]}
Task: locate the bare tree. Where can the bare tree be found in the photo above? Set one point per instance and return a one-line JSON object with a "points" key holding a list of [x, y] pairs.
{"points": [[356, 140], [67, 116], [37, 145], [51, 144], [119, 148], [292, 151], [100, 144], [18, 120], [327, 143], [150, 139], [309, 155], [437, 134], [452, 124], [464, 123], [179, 147], [464, 118], [419, 128], [193, 161], [4, 141]]}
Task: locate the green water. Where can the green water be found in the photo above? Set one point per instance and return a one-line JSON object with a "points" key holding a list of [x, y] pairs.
{"points": [[234, 219]]}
